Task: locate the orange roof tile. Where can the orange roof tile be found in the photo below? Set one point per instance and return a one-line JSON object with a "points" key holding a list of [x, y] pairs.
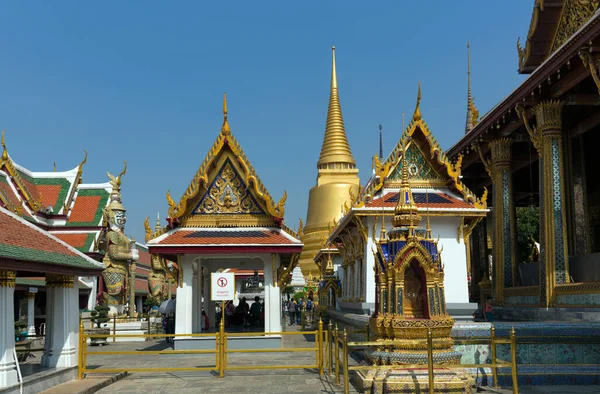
{"points": [[50, 194], [75, 240], [85, 209]]}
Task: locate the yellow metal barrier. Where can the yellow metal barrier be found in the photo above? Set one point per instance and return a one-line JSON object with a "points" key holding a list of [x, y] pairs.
{"points": [[221, 351], [334, 346]]}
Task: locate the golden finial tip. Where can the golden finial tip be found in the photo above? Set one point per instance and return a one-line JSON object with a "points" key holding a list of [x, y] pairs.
{"points": [[224, 103], [225, 127]]}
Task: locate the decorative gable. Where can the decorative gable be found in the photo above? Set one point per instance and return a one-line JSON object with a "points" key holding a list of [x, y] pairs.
{"points": [[225, 192], [419, 168], [228, 194], [427, 164]]}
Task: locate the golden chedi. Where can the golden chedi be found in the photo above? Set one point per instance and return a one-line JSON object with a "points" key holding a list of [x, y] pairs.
{"points": [[337, 175]]}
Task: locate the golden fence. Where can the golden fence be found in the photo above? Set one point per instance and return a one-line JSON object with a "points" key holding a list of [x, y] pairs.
{"points": [[221, 351], [338, 341]]}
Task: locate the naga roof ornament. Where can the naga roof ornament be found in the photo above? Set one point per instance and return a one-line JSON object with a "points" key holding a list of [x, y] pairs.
{"points": [[33, 199]]}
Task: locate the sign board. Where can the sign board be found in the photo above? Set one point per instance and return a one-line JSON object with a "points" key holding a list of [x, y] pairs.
{"points": [[222, 286], [33, 290]]}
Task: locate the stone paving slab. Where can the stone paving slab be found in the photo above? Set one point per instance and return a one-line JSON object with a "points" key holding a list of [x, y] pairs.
{"points": [[85, 386]]}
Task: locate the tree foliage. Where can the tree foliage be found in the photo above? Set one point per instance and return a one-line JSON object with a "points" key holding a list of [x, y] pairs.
{"points": [[100, 315], [528, 228]]}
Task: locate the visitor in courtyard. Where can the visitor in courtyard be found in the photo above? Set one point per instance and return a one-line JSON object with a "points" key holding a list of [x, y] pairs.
{"points": [[292, 311], [205, 324], [299, 311], [255, 311], [488, 314], [229, 312]]}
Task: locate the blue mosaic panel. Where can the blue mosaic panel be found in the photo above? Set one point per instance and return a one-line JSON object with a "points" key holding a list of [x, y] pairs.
{"points": [[443, 300], [522, 300], [542, 237], [578, 299], [559, 245], [418, 166], [508, 282], [399, 299], [431, 299], [385, 301], [392, 300]]}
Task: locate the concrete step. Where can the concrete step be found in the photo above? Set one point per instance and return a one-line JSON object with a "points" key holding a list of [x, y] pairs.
{"points": [[87, 385]]}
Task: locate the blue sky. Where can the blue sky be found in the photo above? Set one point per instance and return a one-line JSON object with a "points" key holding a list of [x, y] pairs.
{"points": [[142, 81]]}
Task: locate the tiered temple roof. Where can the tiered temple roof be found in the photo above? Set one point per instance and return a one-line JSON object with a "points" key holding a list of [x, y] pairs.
{"points": [[225, 209], [57, 201]]}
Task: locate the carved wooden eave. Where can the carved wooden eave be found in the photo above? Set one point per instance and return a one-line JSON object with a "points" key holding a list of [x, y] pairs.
{"points": [[553, 22], [499, 120]]}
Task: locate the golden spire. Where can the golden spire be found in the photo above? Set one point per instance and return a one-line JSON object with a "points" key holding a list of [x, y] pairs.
{"points": [[54, 166], [225, 128], [335, 149], [157, 226], [472, 112], [406, 212], [417, 114], [5, 152]]}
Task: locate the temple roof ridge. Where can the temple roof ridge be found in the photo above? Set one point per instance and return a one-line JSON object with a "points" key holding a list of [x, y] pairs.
{"points": [[335, 148]]}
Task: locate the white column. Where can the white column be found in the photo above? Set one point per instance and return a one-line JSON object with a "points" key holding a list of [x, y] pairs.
{"points": [[91, 304], [62, 314], [206, 294], [31, 313], [195, 307], [183, 310], [272, 295], [370, 264], [8, 372]]}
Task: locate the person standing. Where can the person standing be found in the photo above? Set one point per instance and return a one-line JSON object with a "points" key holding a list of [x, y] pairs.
{"points": [[292, 312], [488, 314]]}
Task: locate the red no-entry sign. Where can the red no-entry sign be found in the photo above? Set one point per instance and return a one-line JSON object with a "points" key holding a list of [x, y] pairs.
{"points": [[222, 286]]}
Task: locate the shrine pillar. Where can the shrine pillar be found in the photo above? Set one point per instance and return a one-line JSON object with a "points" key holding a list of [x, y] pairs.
{"points": [[183, 306], [8, 365], [554, 268], [504, 251], [31, 313], [62, 322], [272, 294]]}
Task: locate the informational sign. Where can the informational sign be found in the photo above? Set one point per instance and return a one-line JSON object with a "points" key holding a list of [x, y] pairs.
{"points": [[33, 290], [222, 286]]}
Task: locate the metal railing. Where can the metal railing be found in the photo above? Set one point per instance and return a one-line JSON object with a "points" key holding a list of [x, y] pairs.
{"points": [[342, 341], [221, 351]]}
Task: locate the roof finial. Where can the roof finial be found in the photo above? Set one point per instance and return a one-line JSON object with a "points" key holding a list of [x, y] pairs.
{"points": [[417, 114], [157, 226], [472, 112], [54, 166], [5, 152], [406, 212], [380, 142], [335, 149], [225, 128]]}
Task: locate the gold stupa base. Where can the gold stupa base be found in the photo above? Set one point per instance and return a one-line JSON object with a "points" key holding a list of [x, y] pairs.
{"points": [[414, 381]]}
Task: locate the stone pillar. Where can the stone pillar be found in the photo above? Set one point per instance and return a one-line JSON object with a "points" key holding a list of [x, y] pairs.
{"points": [[132, 281], [31, 313], [504, 218], [62, 322], [8, 372], [554, 243], [183, 306], [272, 295]]}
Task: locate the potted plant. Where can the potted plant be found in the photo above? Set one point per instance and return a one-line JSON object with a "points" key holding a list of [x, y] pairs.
{"points": [[99, 316]]}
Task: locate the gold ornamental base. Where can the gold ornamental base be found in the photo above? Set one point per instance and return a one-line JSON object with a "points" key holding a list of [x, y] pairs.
{"points": [[415, 381]]}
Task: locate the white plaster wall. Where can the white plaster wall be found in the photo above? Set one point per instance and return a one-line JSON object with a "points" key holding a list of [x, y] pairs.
{"points": [[454, 258], [183, 306]]}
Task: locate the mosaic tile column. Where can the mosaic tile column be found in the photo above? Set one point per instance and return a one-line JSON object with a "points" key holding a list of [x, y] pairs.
{"points": [[8, 365], [555, 265], [504, 218]]}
